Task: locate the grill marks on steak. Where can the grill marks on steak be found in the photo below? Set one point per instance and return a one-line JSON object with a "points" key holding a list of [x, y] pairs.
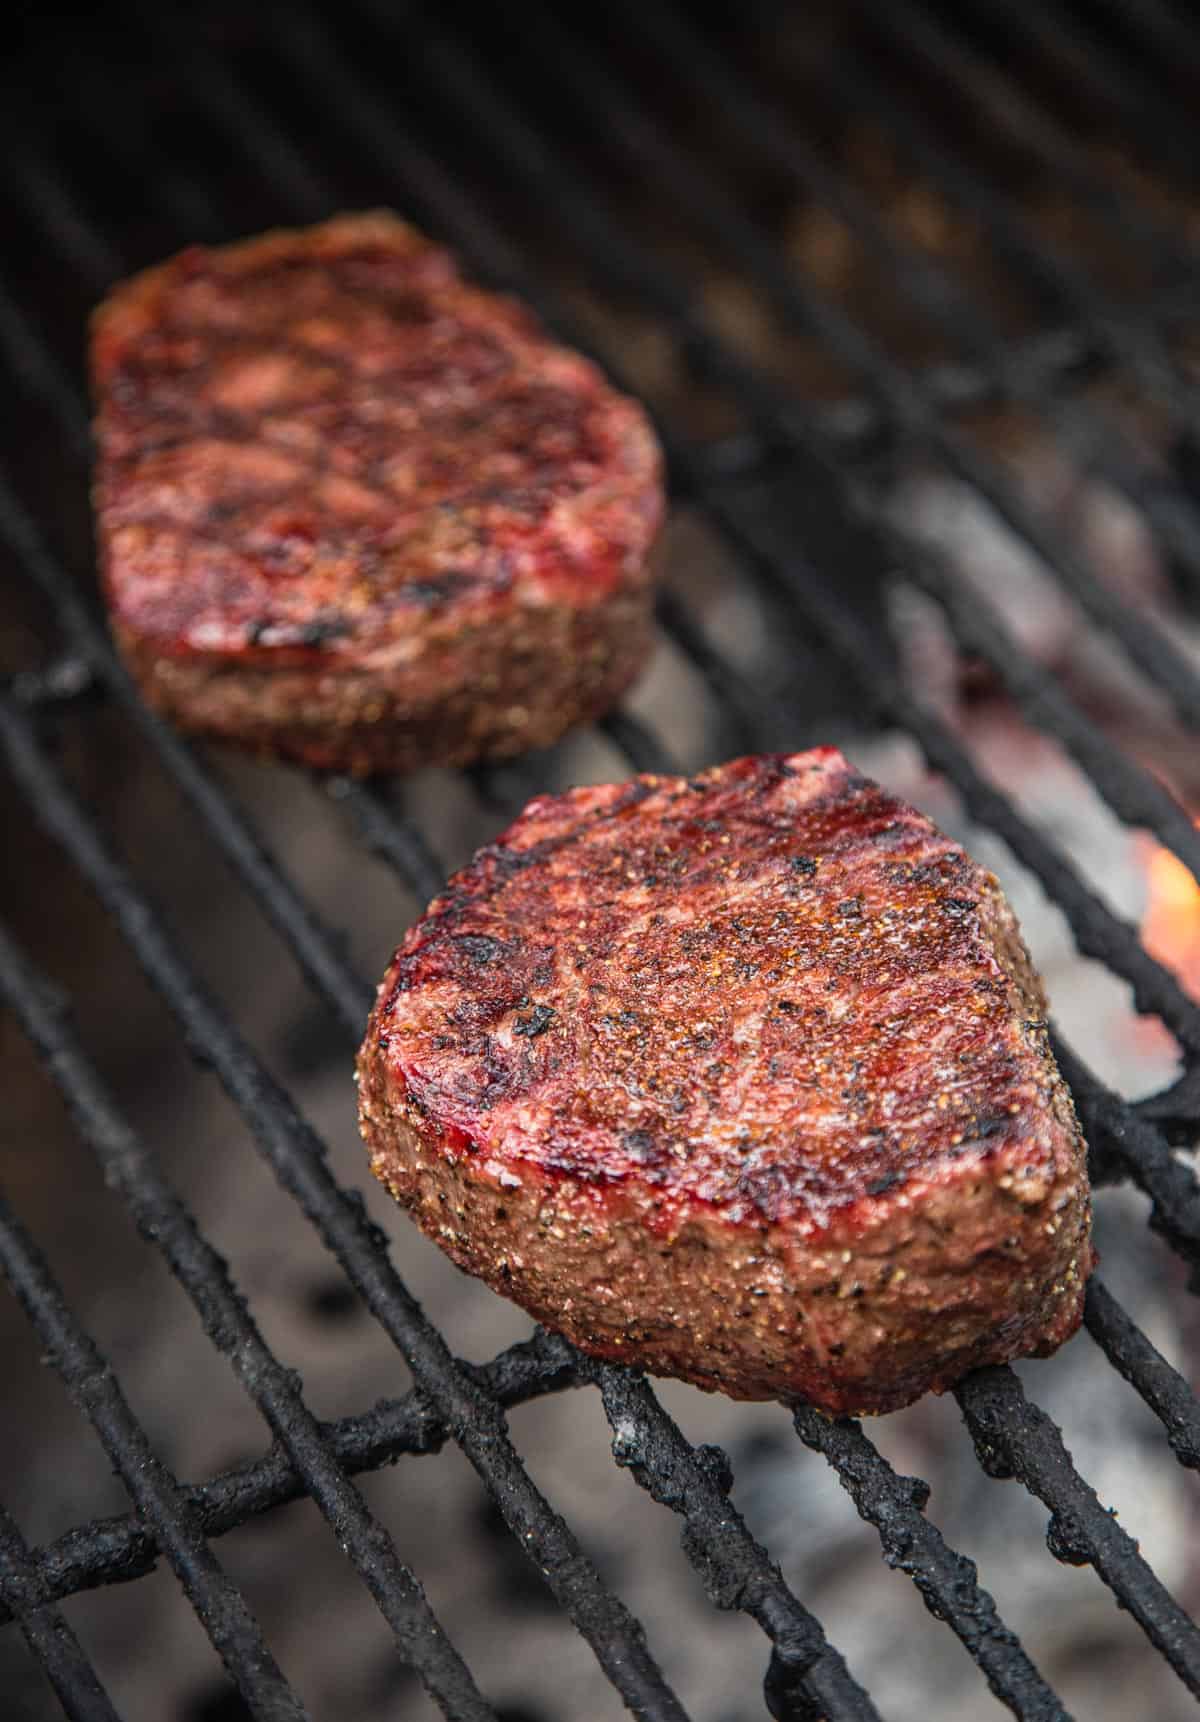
{"points": [[325, 451], [761, 1061]]}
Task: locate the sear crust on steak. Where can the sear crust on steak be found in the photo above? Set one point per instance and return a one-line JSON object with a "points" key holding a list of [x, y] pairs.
{"points": [[742, 1078], [355, 511]]}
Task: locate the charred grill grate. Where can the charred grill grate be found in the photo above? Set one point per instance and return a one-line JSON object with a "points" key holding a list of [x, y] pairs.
{"points": [[828, 451]]}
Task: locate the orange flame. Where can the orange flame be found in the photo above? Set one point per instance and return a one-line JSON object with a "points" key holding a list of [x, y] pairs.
{"points": [[1171, 925]]}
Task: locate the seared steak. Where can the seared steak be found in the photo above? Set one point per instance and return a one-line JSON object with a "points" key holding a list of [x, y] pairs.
{"points": [[742, 1078], [356, 511]]}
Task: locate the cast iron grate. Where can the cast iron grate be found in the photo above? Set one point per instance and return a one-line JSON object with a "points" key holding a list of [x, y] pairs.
{"points": [[824, 451]]}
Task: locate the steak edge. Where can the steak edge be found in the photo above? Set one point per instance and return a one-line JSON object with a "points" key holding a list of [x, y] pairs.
{"points": [[742, 1078], [355, 511]]}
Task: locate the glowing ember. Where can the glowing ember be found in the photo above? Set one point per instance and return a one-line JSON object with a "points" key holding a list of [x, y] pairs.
{"points": [[1171, 925]]}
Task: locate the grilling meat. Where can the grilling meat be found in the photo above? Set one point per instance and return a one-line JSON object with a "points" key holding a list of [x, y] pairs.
{"points": [[355, 511], [741, 1078]]}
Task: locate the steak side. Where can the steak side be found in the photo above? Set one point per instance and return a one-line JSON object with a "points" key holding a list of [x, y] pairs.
{"points": [[355, 511], [742, 1078]]}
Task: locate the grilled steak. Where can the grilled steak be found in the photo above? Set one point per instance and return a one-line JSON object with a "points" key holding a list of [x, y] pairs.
{"points": [[742, 1078], [355, 511]]}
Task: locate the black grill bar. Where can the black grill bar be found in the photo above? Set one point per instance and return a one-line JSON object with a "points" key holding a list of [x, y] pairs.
{"points": [[1098, 932], [297, 1157], [56, 808], [384, 834], [1014, 1438], [464, 1403], [650, 1444], [1175, 42], [77, 241], [946, 1579], [612, 253], [648, 151], [388, 836], [34, 363], [737, 1571], [1095, 436], [1046, 270], [1137, 1151], [313, 945], [118, 1549], [1147, 1371], [915, 30], [608, 247], [25, 1595], [1146, 108], [928, 285], [1153, 652], [164, 1222], [158, 1497], [1169, 1176], [948, 1582]]}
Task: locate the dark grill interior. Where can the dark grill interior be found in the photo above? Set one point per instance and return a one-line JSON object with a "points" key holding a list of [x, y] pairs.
{"points": [[938, 249]]}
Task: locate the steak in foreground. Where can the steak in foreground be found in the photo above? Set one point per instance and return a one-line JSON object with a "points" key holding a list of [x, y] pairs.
{"points": [[741, 1078], [355, 511]]}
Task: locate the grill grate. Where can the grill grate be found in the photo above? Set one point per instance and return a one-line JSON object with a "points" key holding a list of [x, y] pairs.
{"points": [[815, 451]]}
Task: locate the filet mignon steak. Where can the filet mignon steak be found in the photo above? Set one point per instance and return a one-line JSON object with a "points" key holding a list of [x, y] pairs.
{"points": [[741, 1078], [356, 511]]}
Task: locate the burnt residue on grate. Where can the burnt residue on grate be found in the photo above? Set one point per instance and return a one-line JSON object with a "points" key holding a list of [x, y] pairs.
{"points": [[732, 190]]}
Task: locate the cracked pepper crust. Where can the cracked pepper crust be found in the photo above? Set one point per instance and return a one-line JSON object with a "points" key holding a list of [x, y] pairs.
{"points": [[744, 1079], [355, 511]]}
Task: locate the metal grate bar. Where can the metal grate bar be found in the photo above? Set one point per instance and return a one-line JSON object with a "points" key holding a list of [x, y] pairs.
{"points": [[54, 806], [521, 148], [164, 1221], [1146, 108], [158, 1497], [114, 1550], [1174, 39], [387, 836], [1096, 436], [647, 1441], [78, 242], [314, 947], [1098, 932], [940, 1573], [948, 1582], [1147, 1371], [1094, 925], [393, 840], [960, 66], [384, 831], [1171, 1185], [37, 369], [640, 745], [24, 1591], [1045, 268], [639, 141], [1140, 1148], [1014, 1438], [644, 147], [612, 253], [1139, 1151], [297, 1156], [737, 1571], [1153, 983], [1133, 793]]}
